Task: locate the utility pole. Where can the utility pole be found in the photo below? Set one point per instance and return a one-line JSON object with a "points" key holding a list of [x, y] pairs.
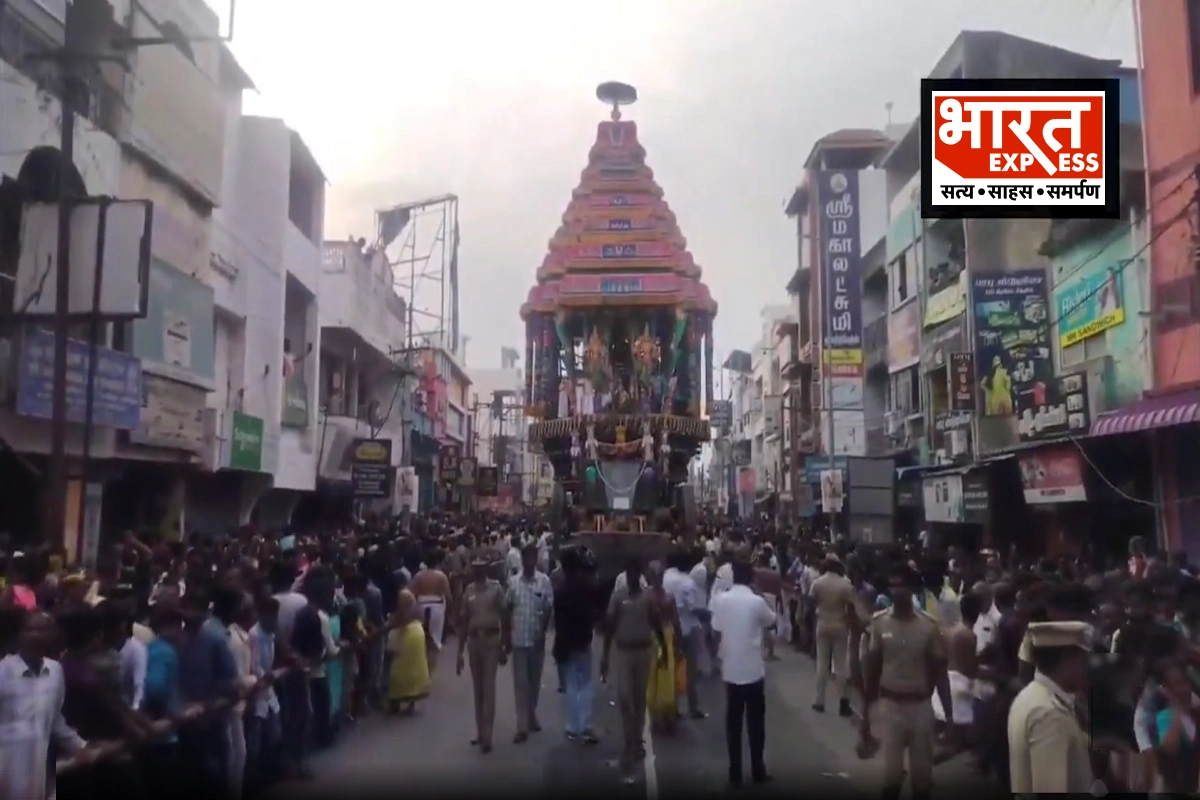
{"points": [[69, 58]]}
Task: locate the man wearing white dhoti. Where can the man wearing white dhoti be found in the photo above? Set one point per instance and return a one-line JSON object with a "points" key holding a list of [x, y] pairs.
{"points": [[432, 590]]}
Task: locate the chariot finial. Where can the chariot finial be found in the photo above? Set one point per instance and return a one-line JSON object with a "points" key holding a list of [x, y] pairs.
{"points": [[616, 94]]}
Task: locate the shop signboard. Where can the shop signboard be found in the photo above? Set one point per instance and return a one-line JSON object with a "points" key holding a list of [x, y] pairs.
{"points": [[942, 495], [1057, 407], [962, 381], [246, 443], [938, 342], [838, 216], [815, 465], [1053, 475], [172, 415], [448, 462], [722, 414], [466, 472], [1012, 344], [487, 481], [295, 401], [371, 468], [946, 304], [117, 391], [408, 483], [955, 497], [903, 347], [1089, 305]]}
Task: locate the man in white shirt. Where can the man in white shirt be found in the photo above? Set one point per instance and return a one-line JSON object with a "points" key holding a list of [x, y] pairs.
{"points": [[739, 618], [691, 607], [512, 561]]}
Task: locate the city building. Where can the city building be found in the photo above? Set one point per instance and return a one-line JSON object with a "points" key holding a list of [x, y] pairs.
{"points": [[975, 409], [1169, 44], [366, 372], [500, 429], [740, 485], [442, 400], [832, 394], [30, 163], [766, 420]]}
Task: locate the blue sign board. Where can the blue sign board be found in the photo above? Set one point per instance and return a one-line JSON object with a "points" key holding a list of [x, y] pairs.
{"points": [[117, 399], [815, 465], [618, 286], [840, 251], [618, 251], [620, 224]]}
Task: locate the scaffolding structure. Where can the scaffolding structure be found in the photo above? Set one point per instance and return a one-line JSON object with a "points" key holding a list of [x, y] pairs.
{"points": [[421, 239]]}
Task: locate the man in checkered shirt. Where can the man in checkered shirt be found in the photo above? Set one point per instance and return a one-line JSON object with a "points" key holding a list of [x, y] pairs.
{"points": [[530, 605]]}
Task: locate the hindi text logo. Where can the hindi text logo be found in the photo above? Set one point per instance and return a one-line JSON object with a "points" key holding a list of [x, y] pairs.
{"points": [[1020, 148]]}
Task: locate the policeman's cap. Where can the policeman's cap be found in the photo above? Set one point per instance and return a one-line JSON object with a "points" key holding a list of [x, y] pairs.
{"points": [[1060, 634]]}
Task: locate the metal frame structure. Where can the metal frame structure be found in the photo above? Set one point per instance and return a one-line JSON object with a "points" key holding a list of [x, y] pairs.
{"points": [[425, 262]]}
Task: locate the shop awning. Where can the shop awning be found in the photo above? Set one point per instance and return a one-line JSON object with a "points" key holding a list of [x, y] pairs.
{"points": [[1163, 411]]}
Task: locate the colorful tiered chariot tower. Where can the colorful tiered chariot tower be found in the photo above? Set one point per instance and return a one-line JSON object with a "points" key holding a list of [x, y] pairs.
{"points": [[619, 342]]}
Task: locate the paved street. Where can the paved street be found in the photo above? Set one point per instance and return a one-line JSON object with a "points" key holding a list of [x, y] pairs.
{"points": [[804, 749]]}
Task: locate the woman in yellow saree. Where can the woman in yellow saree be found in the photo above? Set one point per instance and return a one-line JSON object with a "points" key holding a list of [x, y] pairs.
{"points": [[408, 678], [661, 694]]}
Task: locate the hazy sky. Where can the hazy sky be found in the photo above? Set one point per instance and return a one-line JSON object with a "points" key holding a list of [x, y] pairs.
{"points": [[495, 102]]}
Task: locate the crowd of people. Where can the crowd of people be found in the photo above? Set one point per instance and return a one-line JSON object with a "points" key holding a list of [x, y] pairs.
{"points": [[222, 663], [1052, 674]]}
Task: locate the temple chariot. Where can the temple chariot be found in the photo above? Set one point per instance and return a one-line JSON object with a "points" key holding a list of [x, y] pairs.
{"points": [[619, 352]]}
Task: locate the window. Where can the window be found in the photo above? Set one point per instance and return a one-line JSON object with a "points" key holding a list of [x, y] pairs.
{"points": [[1193, 23], [902, 280], [1089, 348], [904, 392]]}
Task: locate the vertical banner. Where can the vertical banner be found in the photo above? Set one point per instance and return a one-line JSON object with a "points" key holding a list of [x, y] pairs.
{"points": [[962, 381], [838, 211], [1012, 346], [708, 365]]}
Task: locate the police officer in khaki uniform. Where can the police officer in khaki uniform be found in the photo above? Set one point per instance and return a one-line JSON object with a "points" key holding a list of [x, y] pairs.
{"points": [[1048, 749], [482, 639], [905, 663]]}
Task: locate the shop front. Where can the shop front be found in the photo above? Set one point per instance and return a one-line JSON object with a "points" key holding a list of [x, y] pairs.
{"points": [[1089, 497], [1154, 444], [956, 504], [425, 450]]}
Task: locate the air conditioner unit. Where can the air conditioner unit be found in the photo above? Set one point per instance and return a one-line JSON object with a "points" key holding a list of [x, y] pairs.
{"points": [[895, 424]]}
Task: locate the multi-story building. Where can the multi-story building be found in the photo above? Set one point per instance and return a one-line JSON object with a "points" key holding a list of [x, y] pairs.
{"points": [[740, 485], [832, 395], [766, 428], [967, 395], [1169, 39], [500, 429], [365, 373], [30, 163], [442, 405], [267, 259]]}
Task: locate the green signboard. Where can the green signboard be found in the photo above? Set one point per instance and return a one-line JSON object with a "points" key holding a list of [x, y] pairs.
{"points": [[295, 403], [246, 442]]}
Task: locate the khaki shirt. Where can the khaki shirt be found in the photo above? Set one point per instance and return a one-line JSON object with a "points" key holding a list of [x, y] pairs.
{"points": [[483, 608], [908, 647], [832, 596], [1048, 751]]}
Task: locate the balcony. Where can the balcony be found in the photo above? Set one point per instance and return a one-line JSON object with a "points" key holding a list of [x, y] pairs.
{"points": [[875, 343]]}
